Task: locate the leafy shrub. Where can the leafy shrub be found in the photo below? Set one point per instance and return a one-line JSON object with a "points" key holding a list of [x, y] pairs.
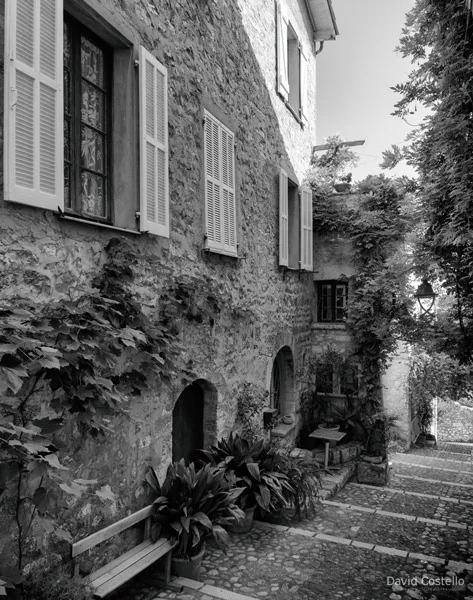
{"points": [[53, 584], [253, 467], [193, 506]]}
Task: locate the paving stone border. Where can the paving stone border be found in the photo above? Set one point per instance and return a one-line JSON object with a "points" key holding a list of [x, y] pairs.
{"points": [[387, 513], [418, 465], [323, 537], [210, 590], [420, 494], [437, 481]]}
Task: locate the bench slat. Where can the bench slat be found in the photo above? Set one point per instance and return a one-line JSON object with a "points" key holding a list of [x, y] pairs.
{"points": [[133, 564], [117, 561], [110, 531]]}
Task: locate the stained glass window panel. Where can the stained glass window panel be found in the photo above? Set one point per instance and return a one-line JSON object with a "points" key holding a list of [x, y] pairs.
{"points": [[93, 195], [92, 62]]}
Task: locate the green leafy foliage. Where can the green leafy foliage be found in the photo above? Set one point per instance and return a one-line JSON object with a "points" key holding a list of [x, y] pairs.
{"points": [[193, 506]]}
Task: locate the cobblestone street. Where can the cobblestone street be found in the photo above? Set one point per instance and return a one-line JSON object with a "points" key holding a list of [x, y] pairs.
{"points": [[366, 543]]}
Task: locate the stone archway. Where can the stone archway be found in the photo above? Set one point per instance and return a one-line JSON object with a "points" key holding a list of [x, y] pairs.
{"points": [[194, 419], [282, 382]]}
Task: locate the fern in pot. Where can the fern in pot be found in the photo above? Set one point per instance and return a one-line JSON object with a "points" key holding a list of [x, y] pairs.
{"points": [[193, 507]]}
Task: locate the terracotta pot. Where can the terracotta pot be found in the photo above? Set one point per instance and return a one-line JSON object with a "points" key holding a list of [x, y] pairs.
{"points": [[188, 567], [244, 525]]}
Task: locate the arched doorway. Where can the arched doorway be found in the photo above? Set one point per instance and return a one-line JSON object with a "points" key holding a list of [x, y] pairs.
{"points": [[188, 422], [282, 382], [194, 420]]}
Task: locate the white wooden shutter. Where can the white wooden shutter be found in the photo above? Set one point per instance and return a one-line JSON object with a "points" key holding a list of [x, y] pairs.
{"points": [[34, 134], [306, 229], [283, 219], [154, 150], [220, 204], [282, 22], [304, 67]]}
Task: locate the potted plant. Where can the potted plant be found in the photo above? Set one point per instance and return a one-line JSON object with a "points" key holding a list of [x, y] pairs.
{"points": [[252, 467], [193, 506]]}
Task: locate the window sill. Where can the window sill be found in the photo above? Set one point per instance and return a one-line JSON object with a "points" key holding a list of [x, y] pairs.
{"points": [[223, 252], [329, 326], [64, 217], [293, 111], [283, 430]]}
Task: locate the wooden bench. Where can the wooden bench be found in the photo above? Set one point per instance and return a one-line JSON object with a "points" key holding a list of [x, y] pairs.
{"points": [[108, 578]]}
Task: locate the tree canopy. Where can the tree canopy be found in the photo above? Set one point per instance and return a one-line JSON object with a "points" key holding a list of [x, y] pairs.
{"points": [[438, 38]]}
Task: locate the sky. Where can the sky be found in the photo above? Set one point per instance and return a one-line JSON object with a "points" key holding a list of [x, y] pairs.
{"points": [[354, 76]]}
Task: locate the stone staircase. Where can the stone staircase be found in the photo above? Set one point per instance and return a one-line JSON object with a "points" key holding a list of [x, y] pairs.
{"points": [[412, 539]]}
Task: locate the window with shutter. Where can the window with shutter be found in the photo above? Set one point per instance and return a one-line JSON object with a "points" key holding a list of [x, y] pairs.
{"points": [[33, 156], [69, 112], [306, 229], [283, 219], [292, 64], [220, 201], [154, 199]]}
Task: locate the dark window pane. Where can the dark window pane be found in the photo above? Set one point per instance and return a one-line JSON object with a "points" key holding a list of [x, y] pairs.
{"points": [[93, 195], [67, 46], [92, 62], [67, 186], [92, 150], [92, 106], [67, 140], [67, 92], [324, 379]]}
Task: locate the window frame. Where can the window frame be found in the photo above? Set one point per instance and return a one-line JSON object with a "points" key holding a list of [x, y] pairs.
{"points": [[291, 56], [79, 30], [295, 224], [227, 244], [332, 284]]}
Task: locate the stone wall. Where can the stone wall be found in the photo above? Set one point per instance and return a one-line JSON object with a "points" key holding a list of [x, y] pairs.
{"points": [[395, 399], [221, 55], [454, 421]]}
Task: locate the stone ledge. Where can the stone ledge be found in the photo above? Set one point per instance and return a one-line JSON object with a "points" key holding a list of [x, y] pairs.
{"points": [[283, 430]]}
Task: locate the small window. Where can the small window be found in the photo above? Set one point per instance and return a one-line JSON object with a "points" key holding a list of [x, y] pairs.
{"points": [[292, 68], [220, 201], [87, 131], [332, 301], [349, 381]]}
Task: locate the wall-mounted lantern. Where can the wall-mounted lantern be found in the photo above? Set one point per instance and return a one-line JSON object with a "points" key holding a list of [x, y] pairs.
{"points": [[425, 297]]}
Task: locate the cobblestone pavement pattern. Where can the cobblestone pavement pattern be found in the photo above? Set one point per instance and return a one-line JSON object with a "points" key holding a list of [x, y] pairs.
{"points": [[410, 540]]}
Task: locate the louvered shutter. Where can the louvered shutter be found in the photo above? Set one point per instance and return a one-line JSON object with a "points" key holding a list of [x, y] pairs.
{"points": [[154, 192], [282, 22], [283, 219], [304, 67], [306, 229], [220, 205], [34, 136]]}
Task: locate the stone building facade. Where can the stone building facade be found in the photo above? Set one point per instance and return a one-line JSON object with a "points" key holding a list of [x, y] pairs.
{"points": [[193, 123]]}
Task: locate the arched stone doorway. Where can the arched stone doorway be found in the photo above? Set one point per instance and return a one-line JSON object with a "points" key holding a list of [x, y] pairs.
{"points": [[282, 382], [194, 420]]}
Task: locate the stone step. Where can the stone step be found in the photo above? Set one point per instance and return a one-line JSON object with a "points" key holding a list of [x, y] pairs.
{"points": [[433, 487], [282, 563], [434, 460], [404, 532], [442, 474], [397, 501]]}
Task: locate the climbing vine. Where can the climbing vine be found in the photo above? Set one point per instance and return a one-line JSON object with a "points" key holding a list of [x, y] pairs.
{"points": [[376, 223], [69, 365]]}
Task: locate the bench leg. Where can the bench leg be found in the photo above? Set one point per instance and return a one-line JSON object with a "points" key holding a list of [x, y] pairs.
{"points": [[167, 568]]}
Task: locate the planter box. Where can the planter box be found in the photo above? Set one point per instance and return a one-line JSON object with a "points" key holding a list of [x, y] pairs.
{"points": [[372, 474]]}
